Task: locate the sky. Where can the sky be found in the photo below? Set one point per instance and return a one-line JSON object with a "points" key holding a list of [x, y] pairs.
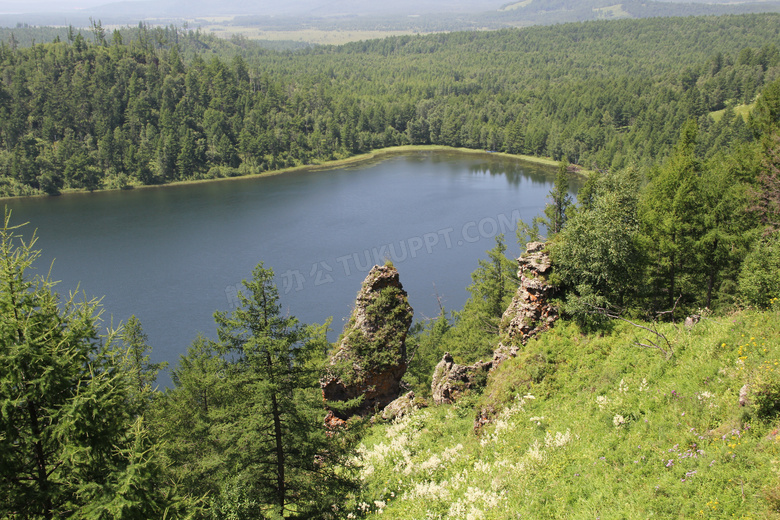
{"points": [[32, 6], [285, 7]]}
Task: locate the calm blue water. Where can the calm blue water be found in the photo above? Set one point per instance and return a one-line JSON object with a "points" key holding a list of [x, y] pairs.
{"points": [[174, 255]]}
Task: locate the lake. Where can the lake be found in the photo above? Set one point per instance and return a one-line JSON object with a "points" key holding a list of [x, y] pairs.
{"points": [[173, 255]]}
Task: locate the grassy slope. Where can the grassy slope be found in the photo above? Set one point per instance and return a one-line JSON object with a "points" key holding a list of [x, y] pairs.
{"points": [[595, 427]]}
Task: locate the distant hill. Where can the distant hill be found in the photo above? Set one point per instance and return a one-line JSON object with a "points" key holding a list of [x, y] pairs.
{"points": [[401, 15]]}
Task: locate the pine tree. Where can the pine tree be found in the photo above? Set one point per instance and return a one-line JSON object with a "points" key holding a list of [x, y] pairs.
{"points": [[671, 215], [71, 444], [137, 353], [556, 212], [250, 412], [475, 329], [596, 256]]}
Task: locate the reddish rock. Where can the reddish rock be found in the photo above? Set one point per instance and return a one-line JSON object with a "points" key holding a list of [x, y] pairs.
{"points": [[530, 311]]}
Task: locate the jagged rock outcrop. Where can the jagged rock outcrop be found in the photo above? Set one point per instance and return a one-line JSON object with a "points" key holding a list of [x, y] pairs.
{"points": [[502, 353], [529, 314], [402, 406], [530, 311], [450, 380], [364, 374]]}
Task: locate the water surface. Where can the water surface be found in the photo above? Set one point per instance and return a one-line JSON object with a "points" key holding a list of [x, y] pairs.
{"points": [[174, 255]]}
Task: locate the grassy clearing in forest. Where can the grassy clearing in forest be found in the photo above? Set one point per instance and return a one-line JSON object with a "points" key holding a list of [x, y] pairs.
{"points": [[740, 110]]}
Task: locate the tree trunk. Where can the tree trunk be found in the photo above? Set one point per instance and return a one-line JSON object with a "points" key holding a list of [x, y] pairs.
{"points": [[278, 438], [711, 277], [280, 487], [40, 461]]}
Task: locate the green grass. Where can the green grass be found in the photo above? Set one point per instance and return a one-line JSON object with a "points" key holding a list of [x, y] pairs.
{"points": [[740, 110], [596, 427]]}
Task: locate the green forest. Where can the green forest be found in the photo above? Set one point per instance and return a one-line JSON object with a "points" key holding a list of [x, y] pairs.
{"points": [[618, 411], [152, 106]]}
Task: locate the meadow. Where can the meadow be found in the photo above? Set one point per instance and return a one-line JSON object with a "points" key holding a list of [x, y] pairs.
{"points": [[597, 427]]}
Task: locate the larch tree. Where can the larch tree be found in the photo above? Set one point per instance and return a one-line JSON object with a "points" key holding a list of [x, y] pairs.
{"points": [[245, 420], [71, 442], [672, 213], [556, 212], [137, 357]]}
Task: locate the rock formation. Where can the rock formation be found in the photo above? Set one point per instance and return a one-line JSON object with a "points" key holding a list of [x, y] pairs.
{"points": [[364, 374], [450, 380], [530, 311], [529, 314], [404, 405]]}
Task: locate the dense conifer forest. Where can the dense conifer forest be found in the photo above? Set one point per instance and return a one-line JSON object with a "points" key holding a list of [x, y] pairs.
{"points": [[617, 411], [151, 106]]}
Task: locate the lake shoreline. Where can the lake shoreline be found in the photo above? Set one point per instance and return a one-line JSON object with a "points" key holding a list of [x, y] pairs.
{"points": [[324, 166]]}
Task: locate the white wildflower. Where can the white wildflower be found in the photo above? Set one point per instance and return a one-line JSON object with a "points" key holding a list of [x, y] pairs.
{"points": [[623, 387], [482, 466], [489, 499], [602, 401], [618, 420], [450, 454], [536, 453], [475, 514], [643, 386], [559, 440], [428, 491], [459, 480], [457, 510], [432, 464]]}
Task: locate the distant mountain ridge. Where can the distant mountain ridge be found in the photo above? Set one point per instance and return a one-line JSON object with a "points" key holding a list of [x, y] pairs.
{"points": [[402, 15]]}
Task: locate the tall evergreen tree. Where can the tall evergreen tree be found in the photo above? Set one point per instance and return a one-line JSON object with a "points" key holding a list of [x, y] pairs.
{"points": [[71, 442], [671, 215], [476, 326], [596, 256], [259, 413], [556, 212], [137, 353]]}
